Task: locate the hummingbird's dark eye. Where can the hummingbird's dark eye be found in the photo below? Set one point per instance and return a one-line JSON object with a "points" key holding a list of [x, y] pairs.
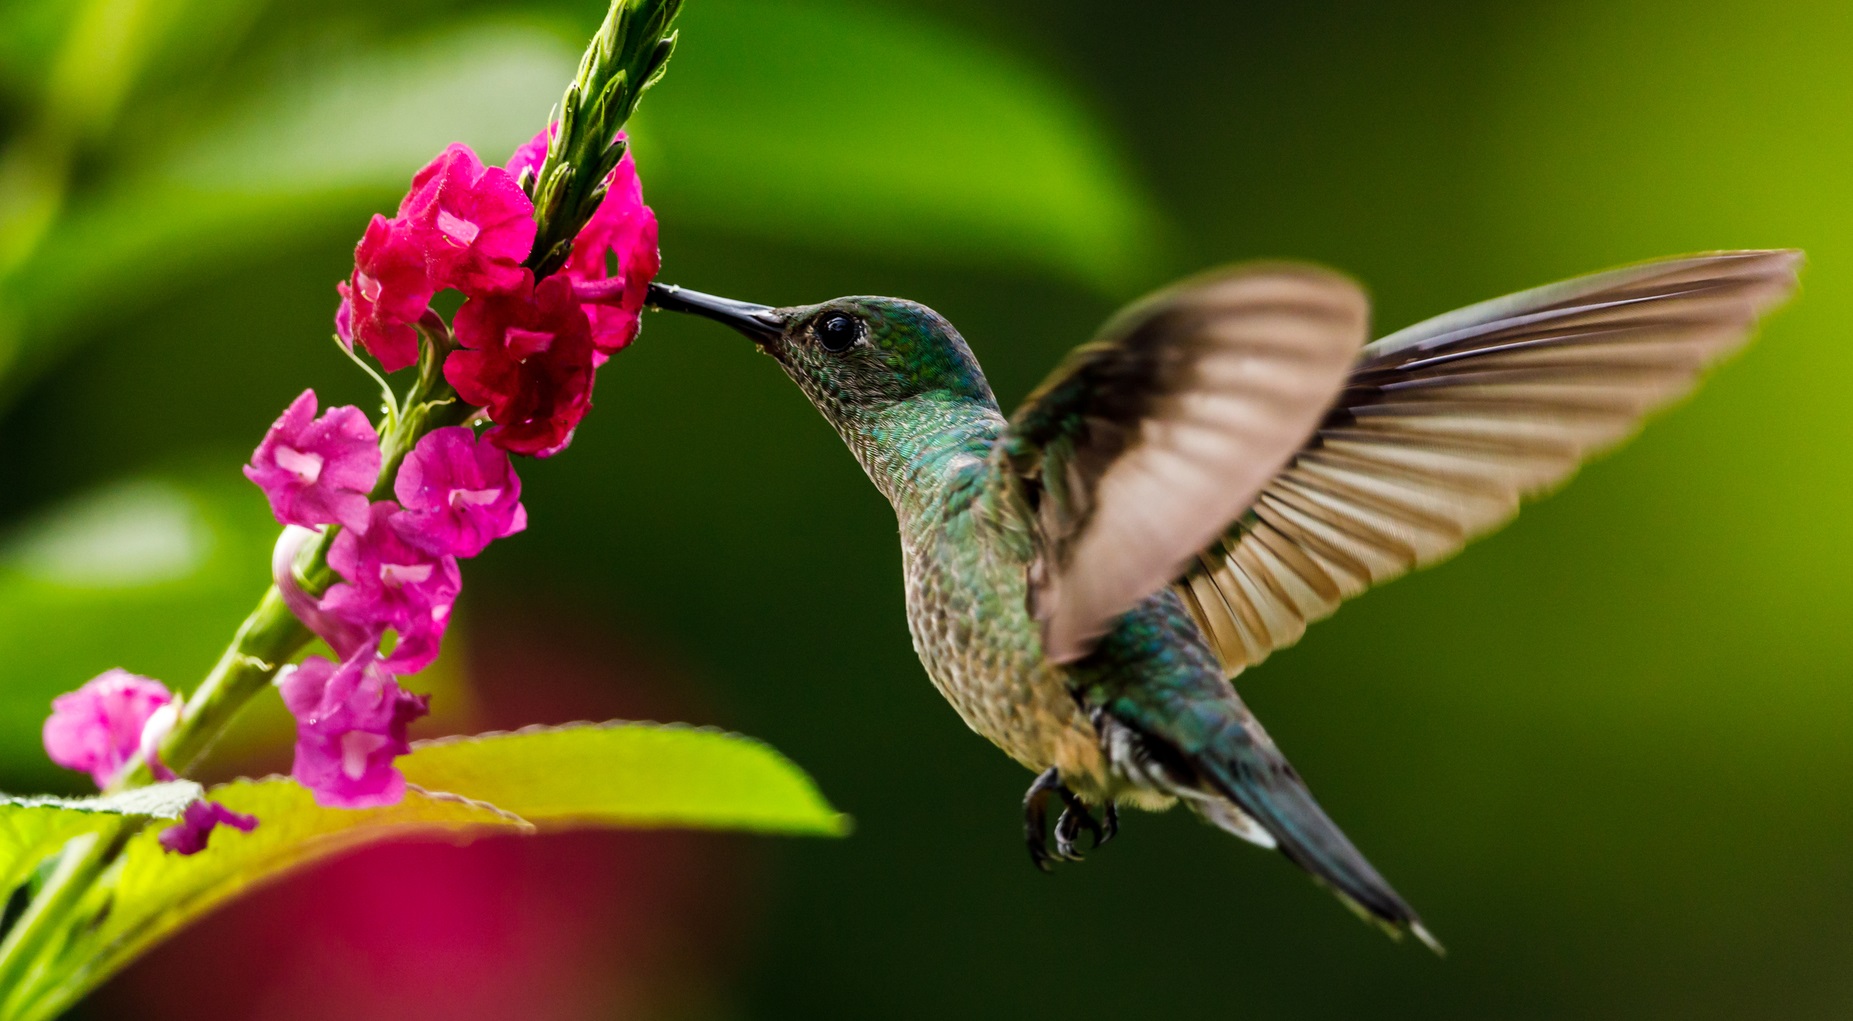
{"points": [[837, 333]]}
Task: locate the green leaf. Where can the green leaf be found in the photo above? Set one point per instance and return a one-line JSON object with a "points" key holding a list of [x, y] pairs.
{"points": [[840, 126], [620, 775], [631, 775], [32, 828]]}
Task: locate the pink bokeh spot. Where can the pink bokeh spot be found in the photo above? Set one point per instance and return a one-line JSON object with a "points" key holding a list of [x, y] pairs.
{"points": [[197, 821], [460, 494], [474, 223], [351, 721], [528, 361], [317, 471], [98, 728]]}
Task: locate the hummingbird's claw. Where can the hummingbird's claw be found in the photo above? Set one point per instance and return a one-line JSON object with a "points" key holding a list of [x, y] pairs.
{"points": [[1036, 815], [1074, 818]]}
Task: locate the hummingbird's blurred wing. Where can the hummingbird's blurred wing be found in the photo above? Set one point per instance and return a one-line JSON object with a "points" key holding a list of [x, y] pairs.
{"points": [[1147, 441], [1443, 427]]}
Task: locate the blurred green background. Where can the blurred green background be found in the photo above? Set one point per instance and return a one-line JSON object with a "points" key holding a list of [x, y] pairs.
{"points": [[1605, 752]]}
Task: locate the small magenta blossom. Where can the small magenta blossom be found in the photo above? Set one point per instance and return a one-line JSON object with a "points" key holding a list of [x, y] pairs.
{"points": [[459, 494], [388, 291], [474, 223], [528, 360], [351, 721], [392, 584], [99, 727], [622, 233], [317, 471], [197, 821], [624, 228]]}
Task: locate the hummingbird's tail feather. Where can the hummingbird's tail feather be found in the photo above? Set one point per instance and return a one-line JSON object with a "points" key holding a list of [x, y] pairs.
{"points": [[1263, 792], [1230, 773]]}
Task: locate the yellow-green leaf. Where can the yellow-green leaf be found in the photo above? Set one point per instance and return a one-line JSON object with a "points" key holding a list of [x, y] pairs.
{"points": [[632, 775], [616, 775]]}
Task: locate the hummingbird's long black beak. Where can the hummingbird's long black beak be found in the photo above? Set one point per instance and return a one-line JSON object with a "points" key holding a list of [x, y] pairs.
{"points": [[760, 322]]}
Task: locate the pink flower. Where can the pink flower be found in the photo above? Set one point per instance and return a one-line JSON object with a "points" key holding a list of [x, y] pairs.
{"points": [[351, 721], [343, 636], [622, 231], [317, 471], [459, 494], [473, 222], [528, 361], [392, 584], [386, 294], [624, 228], [196, 824], [99, 727]]}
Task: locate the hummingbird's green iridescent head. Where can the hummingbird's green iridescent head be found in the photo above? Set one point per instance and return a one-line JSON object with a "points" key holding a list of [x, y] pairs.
{"points": [[851, 354]]}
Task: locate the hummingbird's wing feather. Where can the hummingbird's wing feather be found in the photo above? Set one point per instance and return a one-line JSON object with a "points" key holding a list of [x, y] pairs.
{"points": [[1444, 427], [1147, 441]]}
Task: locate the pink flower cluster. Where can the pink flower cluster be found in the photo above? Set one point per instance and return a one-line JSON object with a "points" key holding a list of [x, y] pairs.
{"points": [[531, 347], [398, 564], [529, 352], [114, 718]]}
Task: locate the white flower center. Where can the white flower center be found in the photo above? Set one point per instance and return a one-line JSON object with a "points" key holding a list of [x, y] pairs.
{"points": [[356, 745], [401, 575], [369, 287], [457, 228], [306, 466], [473, 497]]}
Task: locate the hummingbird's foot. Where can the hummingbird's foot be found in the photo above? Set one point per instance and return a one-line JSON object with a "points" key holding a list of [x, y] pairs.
{"points": [[1036, 815], [1074, 818]]}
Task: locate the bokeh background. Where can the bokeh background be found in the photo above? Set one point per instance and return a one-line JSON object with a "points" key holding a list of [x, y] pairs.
{"points": [[1604, 752]]}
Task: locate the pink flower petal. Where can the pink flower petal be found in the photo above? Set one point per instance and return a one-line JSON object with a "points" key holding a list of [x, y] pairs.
{"points": [[459, 494], [317, 471], [389, 583], [388, 291], [474, 223], [351, 721], [529, 363], [197, 821], [97, 729]]}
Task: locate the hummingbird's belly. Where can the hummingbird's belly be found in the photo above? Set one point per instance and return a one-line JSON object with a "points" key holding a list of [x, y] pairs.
{"points": [[966, 610]]}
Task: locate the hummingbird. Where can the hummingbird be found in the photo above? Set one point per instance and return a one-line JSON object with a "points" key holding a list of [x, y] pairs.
{"points": [[1226, 462]]}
